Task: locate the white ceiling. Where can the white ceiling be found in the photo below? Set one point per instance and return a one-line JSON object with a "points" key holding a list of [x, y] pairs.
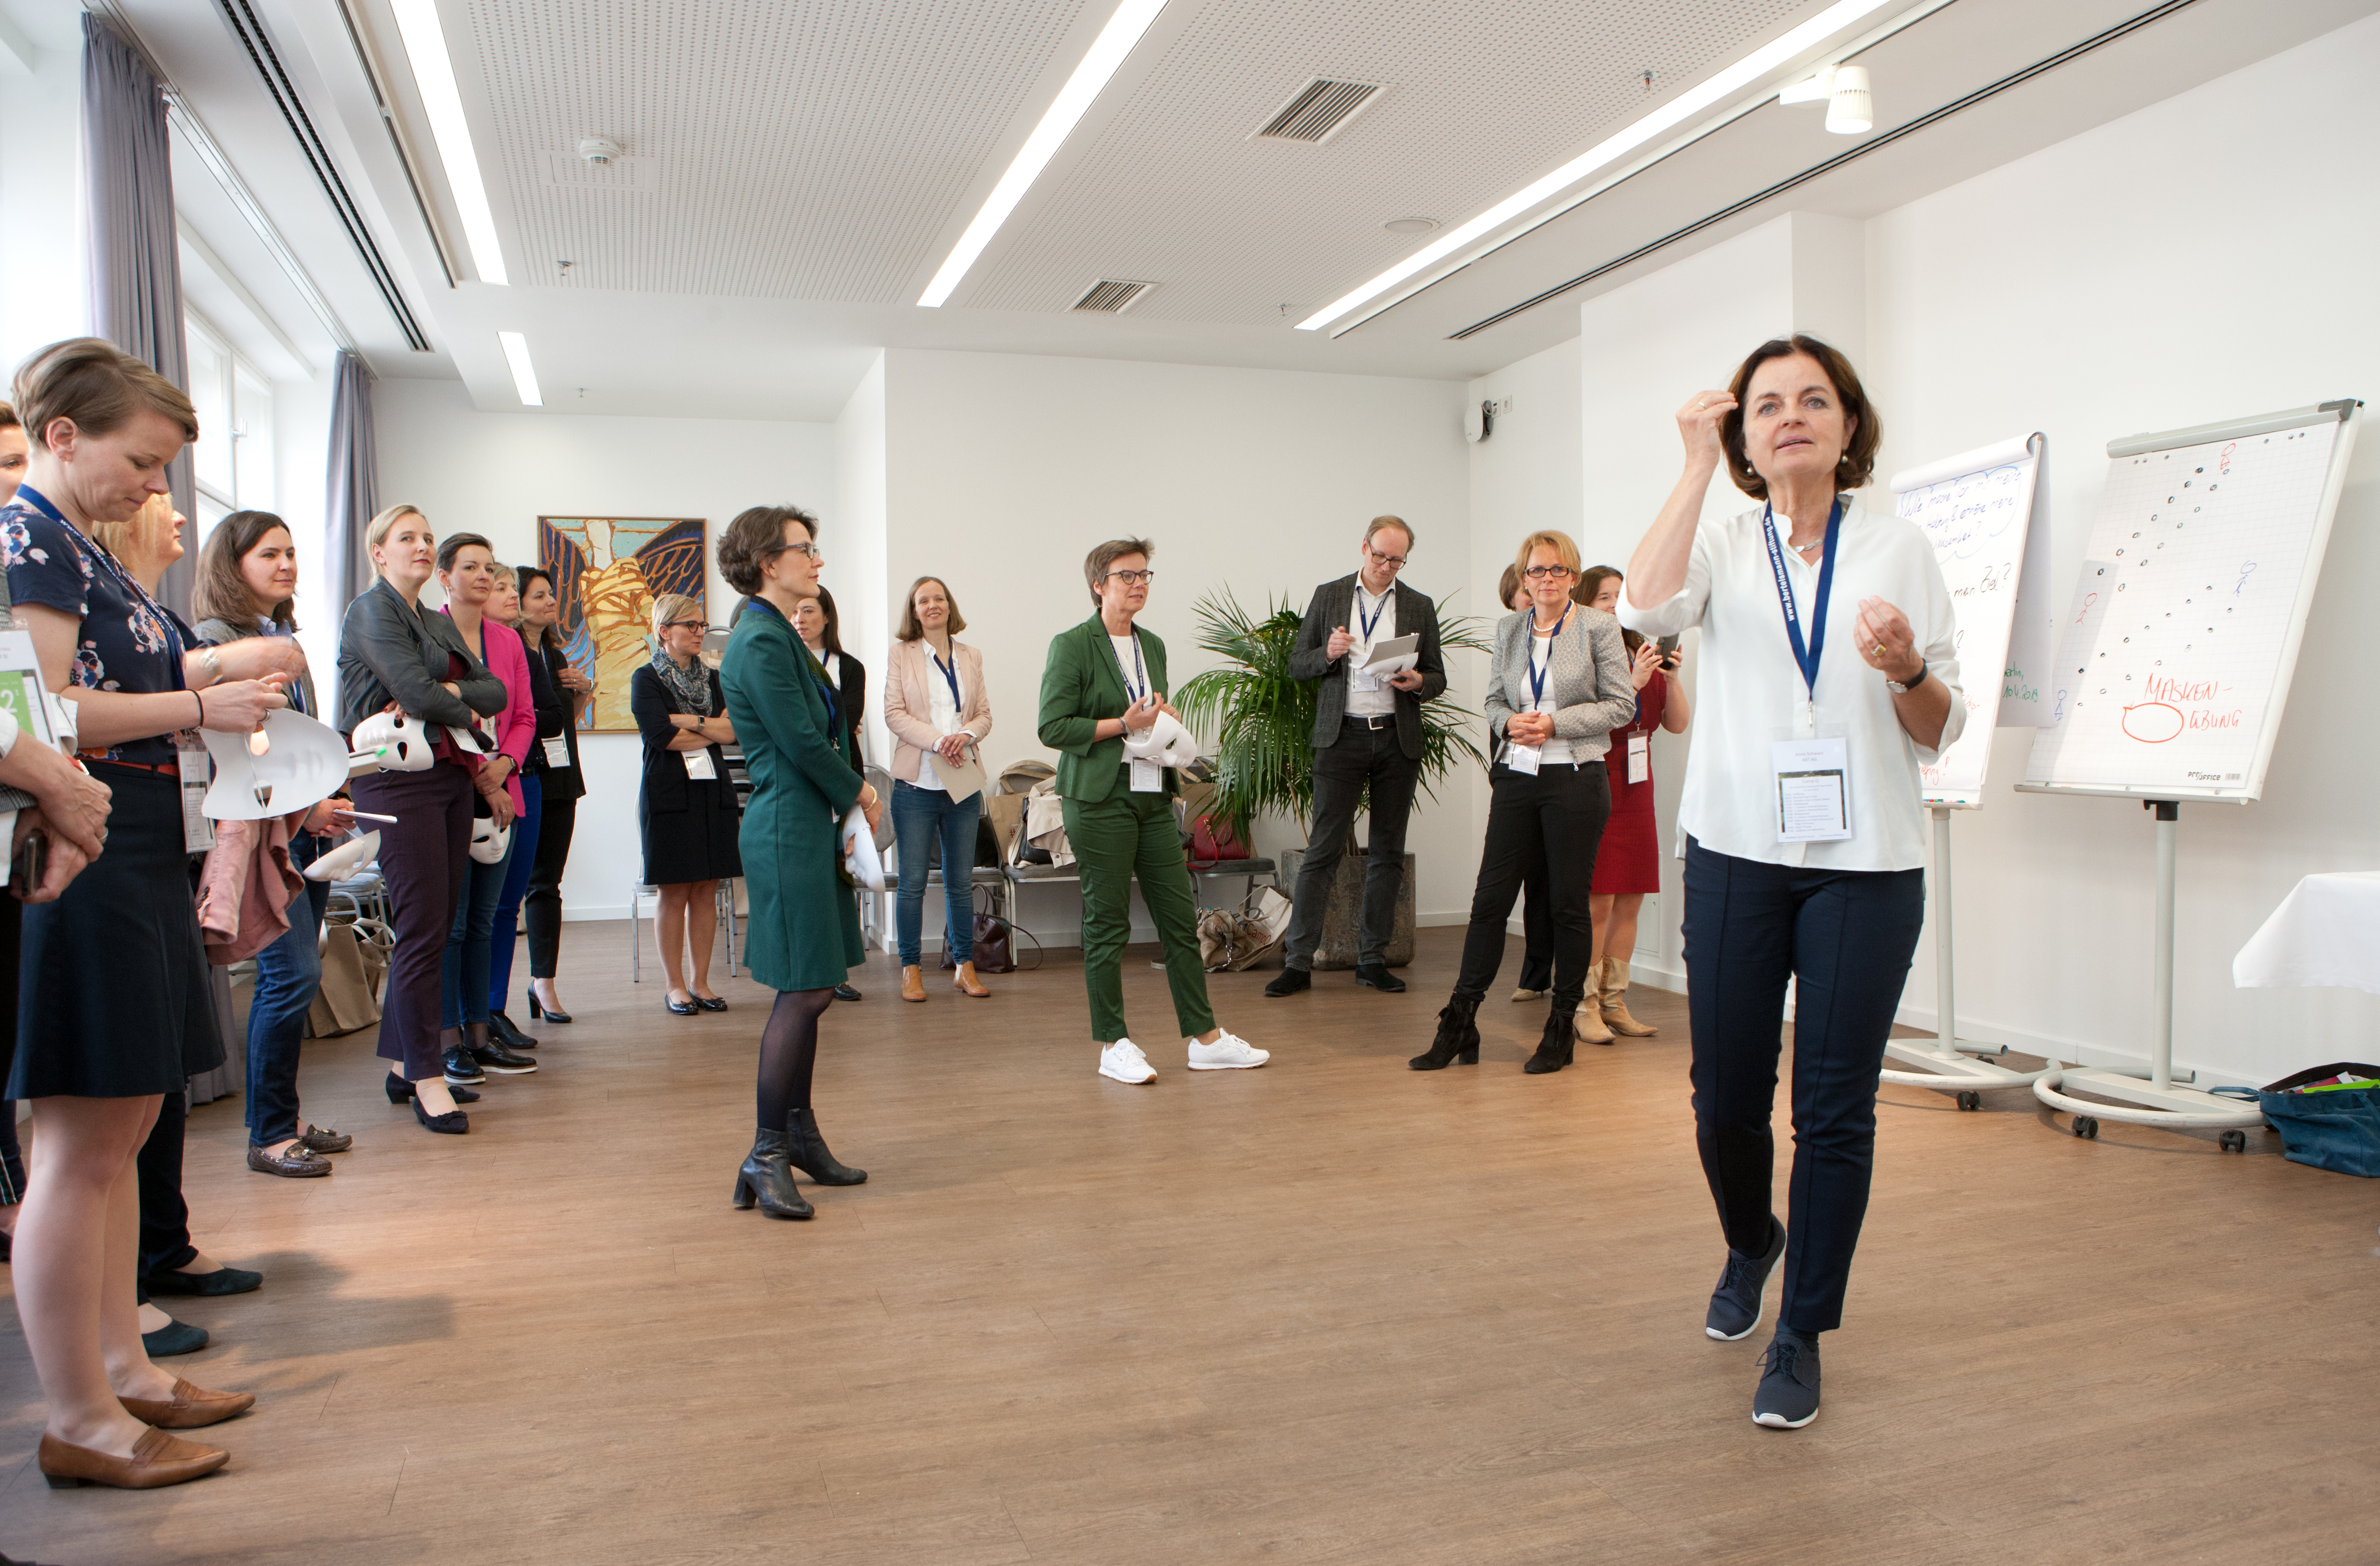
{"points": [[796, 172]]}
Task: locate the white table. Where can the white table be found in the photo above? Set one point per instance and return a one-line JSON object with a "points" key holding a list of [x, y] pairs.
{"points": [[2325, 931]]}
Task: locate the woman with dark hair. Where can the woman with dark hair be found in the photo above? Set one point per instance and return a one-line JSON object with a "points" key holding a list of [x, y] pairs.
{"points": [[1802, 814], [114, 1011], [820, 628], [247, 586], [803, 931], [936, 705], [542, 780], [561, 703]]}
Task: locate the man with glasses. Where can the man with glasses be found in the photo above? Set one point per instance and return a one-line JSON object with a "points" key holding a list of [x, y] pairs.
{"points": [[1366, 732]]}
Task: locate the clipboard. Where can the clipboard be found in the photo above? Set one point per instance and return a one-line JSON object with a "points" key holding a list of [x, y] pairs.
{"points": [[965, 778], [1393, 657]]}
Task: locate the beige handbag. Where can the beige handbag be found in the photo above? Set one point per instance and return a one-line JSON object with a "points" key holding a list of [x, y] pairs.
{"points": [[355, 960], [1241, 941]]}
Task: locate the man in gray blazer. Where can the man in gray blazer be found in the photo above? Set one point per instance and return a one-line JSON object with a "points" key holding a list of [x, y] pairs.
{"points": [[1366, 731]]}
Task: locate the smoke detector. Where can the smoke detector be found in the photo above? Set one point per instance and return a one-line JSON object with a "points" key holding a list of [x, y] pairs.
{"points": [[599, 150]]}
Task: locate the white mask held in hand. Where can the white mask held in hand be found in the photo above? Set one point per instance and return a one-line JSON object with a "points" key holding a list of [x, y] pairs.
{"points": [[1165, 742], [392, 742], [345, 859], [489, 840], [290, 763]]}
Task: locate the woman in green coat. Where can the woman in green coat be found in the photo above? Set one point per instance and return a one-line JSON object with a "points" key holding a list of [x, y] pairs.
{"points": [[803, 931], [1105, 681]]}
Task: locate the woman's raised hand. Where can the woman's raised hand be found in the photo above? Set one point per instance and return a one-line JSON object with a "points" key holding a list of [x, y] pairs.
{"points": [[237, 707], [1647, 659], [1699, 425]]}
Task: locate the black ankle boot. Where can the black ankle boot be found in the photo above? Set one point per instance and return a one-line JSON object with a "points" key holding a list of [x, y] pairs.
{"points": [[765, 1178], [1554, 1049], [1458, 1037], [806, 1151]]}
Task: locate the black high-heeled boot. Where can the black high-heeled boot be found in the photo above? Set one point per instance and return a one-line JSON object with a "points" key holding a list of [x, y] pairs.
{"points": [[766, 1178], [1554, 1049], [807, 1153], [1458, 1037]]}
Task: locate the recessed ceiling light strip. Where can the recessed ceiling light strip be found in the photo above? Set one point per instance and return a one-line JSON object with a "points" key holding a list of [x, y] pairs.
{"points": [[515, 347], [441, 100], [1851, 50], [1885, 139], [368, 58], [1107, 55], [1714, 89]]}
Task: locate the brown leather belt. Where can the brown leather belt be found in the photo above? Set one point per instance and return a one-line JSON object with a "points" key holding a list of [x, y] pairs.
{"points": [[163, 769]]}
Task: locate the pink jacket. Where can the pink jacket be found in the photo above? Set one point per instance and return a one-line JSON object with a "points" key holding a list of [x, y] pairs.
{"points": [[507, 658]]}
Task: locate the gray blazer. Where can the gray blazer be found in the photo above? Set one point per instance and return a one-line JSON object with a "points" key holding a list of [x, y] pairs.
{"points": [[1588, 667], [388, 652], [1309, 658]]}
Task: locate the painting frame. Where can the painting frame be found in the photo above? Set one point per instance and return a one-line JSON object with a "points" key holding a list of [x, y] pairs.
{"points": [[606, 573]]}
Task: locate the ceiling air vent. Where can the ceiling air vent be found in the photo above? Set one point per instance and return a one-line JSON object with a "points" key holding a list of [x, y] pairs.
{"points": [[1321, 108], [1112, 296]]}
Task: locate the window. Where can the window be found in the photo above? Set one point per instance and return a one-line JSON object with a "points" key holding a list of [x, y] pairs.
{"points": [[233, 458]]}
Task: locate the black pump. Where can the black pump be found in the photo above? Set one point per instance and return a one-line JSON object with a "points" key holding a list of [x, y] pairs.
{"points": [[1458, 1037]]}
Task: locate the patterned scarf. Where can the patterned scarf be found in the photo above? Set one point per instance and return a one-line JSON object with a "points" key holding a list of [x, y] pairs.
{"points": [[691, 687]]}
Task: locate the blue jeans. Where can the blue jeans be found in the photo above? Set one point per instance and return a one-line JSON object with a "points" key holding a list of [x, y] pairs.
{"points": [[463, 974], [503, 934], [288, 974], [917, 815]]}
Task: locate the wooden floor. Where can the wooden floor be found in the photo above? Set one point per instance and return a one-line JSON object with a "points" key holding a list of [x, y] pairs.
{"points": [[1330, 1311]]}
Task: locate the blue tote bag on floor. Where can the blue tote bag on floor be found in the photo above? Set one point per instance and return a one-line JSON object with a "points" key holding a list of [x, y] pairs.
{"points": [[2324, 1123]]}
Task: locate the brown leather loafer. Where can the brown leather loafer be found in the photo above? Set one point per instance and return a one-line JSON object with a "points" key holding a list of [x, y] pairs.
{"points": [[323, 1141], [189, 1407], [297, 1162], [157, 1460]]}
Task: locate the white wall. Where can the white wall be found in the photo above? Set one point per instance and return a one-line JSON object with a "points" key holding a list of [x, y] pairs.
{"points": [[1005, 469], [496, 473], [2194, 262], [854, 538], [44, 294]]}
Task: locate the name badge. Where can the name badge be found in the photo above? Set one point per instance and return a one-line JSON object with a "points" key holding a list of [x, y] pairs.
{"points": [[1811, 784], [557, 750], [1148, 777], [1640, 759], [198, 832], [698, 765], [1523, 758]]}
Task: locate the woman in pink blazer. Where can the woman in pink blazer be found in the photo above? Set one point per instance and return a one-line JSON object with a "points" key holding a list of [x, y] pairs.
{"points": [[938, 711]]}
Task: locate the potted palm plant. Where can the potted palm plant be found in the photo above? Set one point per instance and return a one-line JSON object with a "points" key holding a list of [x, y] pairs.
{"points": [[1262, 721]]}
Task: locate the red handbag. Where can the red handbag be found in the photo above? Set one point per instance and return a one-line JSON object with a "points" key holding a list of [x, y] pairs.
{"points": [[1213, 840]]}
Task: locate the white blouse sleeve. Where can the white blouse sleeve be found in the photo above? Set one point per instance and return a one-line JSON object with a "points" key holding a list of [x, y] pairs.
{"points": [[1683, 611], [1934, 624]]}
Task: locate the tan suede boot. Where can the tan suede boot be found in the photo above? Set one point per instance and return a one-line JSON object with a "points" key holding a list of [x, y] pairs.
{"points": [[1590, 1010], [965, 983], [912, 984], [1614, 996]]}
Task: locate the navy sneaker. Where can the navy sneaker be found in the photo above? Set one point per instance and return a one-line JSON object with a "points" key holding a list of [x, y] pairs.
{"points": [[1788, 1398], [1735, 1304]]}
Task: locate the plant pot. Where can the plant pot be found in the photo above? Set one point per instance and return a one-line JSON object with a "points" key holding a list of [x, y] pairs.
{"points": [[1342, 920]]}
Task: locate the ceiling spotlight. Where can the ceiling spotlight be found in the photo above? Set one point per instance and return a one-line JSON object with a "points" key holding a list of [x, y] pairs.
{"points": [[1851, 109], [1410, 225]]}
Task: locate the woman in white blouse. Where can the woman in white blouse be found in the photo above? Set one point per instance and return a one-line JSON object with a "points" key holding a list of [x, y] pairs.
{"points": [[1828, 672], [939, 711]]}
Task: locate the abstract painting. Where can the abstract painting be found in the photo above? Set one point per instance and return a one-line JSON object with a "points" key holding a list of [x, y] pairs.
{"points": [[607, 571]]}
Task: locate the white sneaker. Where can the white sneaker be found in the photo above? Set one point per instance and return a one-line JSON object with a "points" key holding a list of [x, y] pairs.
{"points": [[1124, 1061], [1228, 1052]]}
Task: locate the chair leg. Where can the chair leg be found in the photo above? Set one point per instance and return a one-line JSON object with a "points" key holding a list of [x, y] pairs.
{"points": [[636, 939]]}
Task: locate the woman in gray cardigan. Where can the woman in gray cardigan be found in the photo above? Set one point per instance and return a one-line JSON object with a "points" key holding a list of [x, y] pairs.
{"points": [[1559, 686]]}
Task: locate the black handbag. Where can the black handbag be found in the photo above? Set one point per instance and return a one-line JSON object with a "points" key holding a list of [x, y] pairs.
{"points": [[993, 950]]}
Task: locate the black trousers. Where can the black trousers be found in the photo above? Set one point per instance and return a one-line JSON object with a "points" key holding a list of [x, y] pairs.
{"points": [[1553, 819], [1537, 930], [12, 1157], [542, 906], [1845, 937], [1363, 755], [164, 1216]]}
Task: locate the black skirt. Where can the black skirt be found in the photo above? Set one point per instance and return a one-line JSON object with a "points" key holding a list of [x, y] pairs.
{"points": [[112, 997], [694, 844]]}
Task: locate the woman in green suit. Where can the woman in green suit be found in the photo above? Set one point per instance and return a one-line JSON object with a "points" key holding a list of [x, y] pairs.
{"points": [[1105, 681], [804, 932]]}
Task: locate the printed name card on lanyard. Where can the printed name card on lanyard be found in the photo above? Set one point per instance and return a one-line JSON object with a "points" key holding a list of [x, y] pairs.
{"points": [[557, 750], [1359, 677], [1810, 775], [1526, 758], [1148, 777]]}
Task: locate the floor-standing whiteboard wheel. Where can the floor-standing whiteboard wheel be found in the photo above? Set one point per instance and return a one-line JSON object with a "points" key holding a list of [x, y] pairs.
{"points": [[1970, 1099], [2087, 1126], [2234, 1141]]}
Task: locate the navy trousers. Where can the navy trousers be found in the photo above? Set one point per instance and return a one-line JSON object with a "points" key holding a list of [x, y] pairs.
{"points": [[1845, 937]]}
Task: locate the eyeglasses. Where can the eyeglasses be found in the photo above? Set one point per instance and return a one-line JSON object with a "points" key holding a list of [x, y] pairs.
{"points": [[810, 550], [1132, 578], [1393, 562], [1541, 572], [685, 624]]}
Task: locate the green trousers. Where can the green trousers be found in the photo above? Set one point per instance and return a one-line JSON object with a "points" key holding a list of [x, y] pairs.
{"points": [[1115, 839]]}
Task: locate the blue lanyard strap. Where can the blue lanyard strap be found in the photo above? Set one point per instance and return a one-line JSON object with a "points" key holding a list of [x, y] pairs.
{"points": [[1136, 694], [1373, 618], [125, 580], [1537, 676], [951, 675], [1806, 656]]}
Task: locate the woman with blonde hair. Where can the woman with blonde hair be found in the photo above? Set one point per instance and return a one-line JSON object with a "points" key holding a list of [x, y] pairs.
{"points": [[1558, 685], [686, 803], [936, 705]]}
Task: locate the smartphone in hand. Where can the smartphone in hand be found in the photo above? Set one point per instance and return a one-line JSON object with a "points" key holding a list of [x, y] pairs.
{"points": [[30, 865], [1667, 648]]}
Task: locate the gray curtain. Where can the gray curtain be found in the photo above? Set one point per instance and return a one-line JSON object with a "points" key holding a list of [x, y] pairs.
{"points": [[354, 469], [136, 262]]}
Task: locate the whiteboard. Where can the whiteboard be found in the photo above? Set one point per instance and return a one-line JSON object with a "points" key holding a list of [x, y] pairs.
{"points": [[2175, 654], [1984, 513]]}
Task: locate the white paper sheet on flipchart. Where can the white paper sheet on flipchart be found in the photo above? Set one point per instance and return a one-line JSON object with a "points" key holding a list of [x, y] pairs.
{"points": [[2170, 650], [1982, 511]]}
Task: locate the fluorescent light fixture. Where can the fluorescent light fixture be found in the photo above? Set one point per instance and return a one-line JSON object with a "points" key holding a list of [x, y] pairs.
{"points": [[1107, 55], [434, 72], [524, 372], [1691, 102]]}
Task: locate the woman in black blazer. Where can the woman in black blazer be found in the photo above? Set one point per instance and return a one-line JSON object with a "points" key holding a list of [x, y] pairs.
{"points": [[686, 803], [820, 629]]}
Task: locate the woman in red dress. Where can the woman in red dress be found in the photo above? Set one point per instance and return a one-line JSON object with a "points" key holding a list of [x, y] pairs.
{"points": [[1628, 865]]}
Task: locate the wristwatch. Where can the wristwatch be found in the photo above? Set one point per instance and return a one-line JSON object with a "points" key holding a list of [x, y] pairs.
{"points": [[1900, 688]]}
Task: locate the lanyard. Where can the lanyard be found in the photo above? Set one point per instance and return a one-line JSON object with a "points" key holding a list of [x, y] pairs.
{"points": [[951, 675], [1377, 610], [1806, 657], [1537, 676], [174, 649], [1136, 695]]}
